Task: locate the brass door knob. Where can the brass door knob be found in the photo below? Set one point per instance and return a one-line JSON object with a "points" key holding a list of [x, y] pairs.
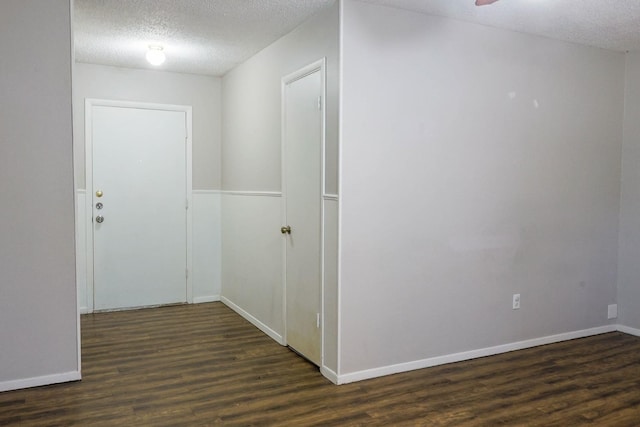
{"points": [[99, 193], [285, 230]]}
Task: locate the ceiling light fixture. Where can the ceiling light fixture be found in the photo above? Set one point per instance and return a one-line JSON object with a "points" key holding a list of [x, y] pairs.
{"points": [[155, 55]]}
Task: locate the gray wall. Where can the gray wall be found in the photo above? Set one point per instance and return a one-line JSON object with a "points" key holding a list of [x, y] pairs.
{"points": [[38, 317], [201, 92], [629, 254], [475, 163]]}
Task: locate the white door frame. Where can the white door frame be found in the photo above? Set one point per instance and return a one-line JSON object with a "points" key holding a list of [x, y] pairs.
{"points": [[89, 104], [320, 66]]}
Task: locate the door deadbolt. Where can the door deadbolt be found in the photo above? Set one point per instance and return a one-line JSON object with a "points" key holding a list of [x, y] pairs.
{"points": [[99, 219], [99, 205], [285, 230]]}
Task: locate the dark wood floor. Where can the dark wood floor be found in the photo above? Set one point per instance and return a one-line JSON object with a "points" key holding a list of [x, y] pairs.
{"points": [[200, 365]]}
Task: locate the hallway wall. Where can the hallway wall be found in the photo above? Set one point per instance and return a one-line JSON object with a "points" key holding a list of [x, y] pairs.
{"points": [[252, 177], [39, 322], [629, 251]]}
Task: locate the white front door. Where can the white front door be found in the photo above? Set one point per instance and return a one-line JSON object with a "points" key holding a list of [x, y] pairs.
{"points": [[139, 206], [303, 130]]}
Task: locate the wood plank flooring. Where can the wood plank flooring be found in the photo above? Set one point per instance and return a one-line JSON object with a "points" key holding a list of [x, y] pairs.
{"points": [[201, 365]]}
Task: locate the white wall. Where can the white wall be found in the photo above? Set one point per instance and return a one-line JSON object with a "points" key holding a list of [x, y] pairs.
{"points": [[38, 332], [475, 163], [252, 259], [203, 93], [251, 176], [629, 253], [207, 246], [200, 92]]}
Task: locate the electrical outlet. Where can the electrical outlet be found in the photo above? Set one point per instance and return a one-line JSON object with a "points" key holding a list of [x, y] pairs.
{"points": [[516, 301], [612, 311]]}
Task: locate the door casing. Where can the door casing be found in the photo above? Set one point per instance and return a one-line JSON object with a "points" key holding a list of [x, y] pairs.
{"points": [[89, 104]]}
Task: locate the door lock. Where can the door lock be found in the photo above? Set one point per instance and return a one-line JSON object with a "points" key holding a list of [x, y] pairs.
{"points": [[99, 219], [285, 230], [99, 205]]}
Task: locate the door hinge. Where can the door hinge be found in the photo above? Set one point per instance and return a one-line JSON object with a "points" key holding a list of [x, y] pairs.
{"points": [[186, 273], [320, 102], [318, 320], [186, 204]]}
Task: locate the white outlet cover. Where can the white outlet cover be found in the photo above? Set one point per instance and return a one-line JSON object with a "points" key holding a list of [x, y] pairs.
{"points": [[516, 301], [612, 311]]}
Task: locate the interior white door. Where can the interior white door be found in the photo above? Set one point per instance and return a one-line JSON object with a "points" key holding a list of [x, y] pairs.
{"points": [[303, 190], [139, 207]]}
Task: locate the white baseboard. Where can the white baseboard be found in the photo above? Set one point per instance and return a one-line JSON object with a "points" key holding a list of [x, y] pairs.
{"points": [[209, 298], [628, 330], [257, 323], [473, 354], [329, 374], [40, 381], [83, 310]]}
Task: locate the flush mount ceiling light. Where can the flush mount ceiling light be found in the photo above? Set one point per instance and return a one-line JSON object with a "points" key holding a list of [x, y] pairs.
{"points": [[484, 2], [155, 55]]}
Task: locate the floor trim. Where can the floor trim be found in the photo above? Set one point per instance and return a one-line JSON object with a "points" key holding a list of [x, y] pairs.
{"points": [[628, 330], [40, 381], [329, 374], [257, 323], [473, 354]]}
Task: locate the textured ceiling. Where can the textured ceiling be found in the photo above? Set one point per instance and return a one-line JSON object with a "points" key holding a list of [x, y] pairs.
{"points": [[198, 36], [212, 36], [609, 24]]}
